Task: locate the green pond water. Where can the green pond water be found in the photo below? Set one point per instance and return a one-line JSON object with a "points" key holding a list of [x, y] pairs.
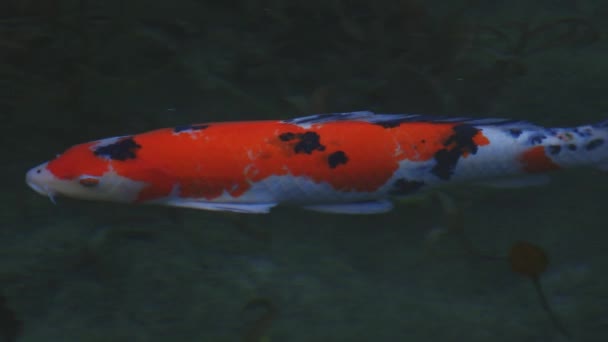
{"points": [[73, 71]]}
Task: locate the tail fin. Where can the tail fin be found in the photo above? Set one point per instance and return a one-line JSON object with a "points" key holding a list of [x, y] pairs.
{"points": [[585, 145]]}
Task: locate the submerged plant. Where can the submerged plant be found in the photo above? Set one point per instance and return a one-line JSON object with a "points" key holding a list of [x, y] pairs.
{"points": [[530, 260], [525, 258]]}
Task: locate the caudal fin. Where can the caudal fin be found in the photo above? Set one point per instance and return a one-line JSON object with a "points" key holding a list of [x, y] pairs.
{"points": [[579, 146]]}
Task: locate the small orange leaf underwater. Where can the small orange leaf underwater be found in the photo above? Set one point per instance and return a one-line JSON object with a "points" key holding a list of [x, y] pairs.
{"points": [[525, 258], [528, 259], [531, 261]]}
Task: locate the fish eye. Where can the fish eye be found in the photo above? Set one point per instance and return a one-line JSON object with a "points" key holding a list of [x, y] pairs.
{"points": [[88, 182]]}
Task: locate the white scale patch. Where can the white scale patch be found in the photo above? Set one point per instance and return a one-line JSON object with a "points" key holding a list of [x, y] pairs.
{"points": [[280, 189], [111, 186], [499, 158]]}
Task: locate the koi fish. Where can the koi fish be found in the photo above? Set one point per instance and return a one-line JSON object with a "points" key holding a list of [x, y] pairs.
{"points": [[352, 163]]}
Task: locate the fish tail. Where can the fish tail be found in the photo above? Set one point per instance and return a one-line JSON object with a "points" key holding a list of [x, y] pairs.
{"points": [[602, 140], [587, 144], [557, 148]]}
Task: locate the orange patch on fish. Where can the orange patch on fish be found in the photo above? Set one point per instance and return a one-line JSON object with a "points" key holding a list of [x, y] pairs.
{"points": [[419, 141], [535, 160], [74, 158], [251, 152], [481, 140]]}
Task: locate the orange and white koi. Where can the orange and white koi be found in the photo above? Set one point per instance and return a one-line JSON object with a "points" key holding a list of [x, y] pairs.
{"points": [[342, 163]]}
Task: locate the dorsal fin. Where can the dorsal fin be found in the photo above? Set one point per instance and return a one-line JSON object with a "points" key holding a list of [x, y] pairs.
{"points": [[389, 120], [330, 117]]}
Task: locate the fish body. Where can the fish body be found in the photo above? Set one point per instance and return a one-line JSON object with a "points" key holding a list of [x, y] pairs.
{"points": [[343, 162]]}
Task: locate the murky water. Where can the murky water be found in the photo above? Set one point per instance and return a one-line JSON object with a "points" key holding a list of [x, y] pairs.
{"points": [[74, 71]]}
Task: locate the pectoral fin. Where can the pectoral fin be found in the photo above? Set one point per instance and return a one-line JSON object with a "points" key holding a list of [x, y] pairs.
{"points": [[246, 208]]}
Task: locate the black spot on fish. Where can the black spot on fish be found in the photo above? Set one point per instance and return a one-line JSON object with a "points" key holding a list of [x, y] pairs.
{"points": [[307, 142], [389, 123], [537, 139], [182, 128], [121, 150], [583, 132], [593, 144], [554, 149], [456, 145], [403, 187], [446, 162], [572, 147], [463, 138], [287, 136], [337, 158], [515, 132]]}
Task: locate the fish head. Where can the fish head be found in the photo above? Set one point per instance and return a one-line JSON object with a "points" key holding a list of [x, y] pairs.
{"points": [[82, 172]]}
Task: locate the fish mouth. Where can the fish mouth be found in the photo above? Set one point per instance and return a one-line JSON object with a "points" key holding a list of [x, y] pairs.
{"points": [[34, 178], [39, 189]]}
